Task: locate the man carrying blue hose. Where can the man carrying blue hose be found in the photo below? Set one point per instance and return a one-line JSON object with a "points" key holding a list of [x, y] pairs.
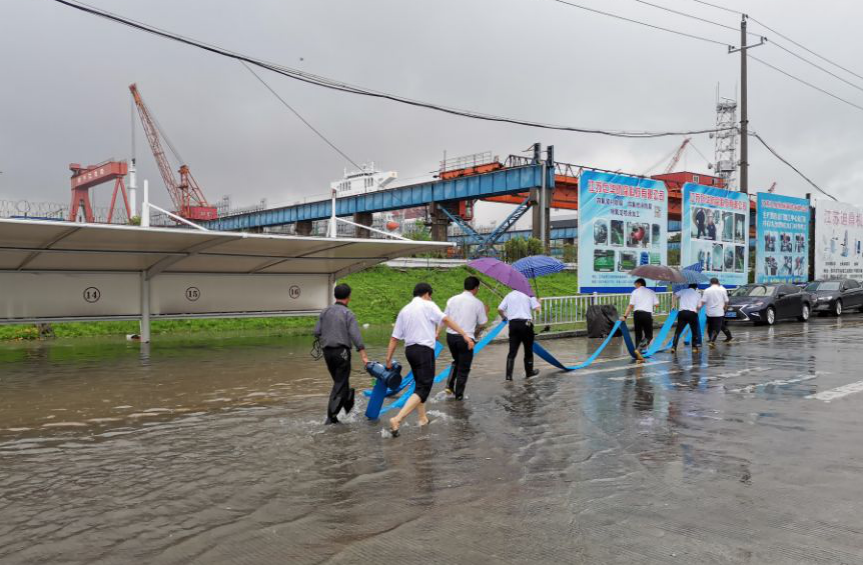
{"points": [[417, 325], [470, 314], [518, 308], [642, 301], [337, 330], [687, 300]]}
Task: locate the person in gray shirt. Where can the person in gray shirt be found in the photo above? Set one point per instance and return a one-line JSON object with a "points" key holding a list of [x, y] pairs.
{"points": [[337, 330]]}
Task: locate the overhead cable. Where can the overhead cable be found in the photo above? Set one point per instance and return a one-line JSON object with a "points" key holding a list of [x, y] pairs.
{"points": [[717, 7], [785, 37], [639, 22], [816, 65], [332, 84], [686, 15], [809, 84], [792, 167], [302, 119]]}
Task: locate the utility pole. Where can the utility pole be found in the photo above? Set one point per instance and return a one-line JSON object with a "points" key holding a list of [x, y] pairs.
{"points": [[744, 113], [744, 110]]}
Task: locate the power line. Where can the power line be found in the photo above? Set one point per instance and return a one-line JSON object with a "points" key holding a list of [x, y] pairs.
{"points": [[809, 84], [817, 66], [792, 167], [302, 119], [639, 22], [785, 37], [717, 7], [344, 87], [686, 15]]}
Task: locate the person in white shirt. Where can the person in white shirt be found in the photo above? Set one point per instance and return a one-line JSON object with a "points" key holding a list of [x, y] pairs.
{"points": [[470, 314], [518, 308], [417, 325], [687, 301], [642, 301], [715, 299]]}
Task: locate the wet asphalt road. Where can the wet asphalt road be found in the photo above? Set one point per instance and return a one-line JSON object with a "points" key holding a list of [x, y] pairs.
{"points": [[214, 453]]}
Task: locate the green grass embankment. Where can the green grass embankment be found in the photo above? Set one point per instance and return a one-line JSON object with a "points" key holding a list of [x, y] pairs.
{"points": [[378, 295]]}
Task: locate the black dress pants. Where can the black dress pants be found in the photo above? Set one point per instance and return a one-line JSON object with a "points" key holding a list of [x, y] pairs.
{"points": [[339, 364], [462, 357], [421, 360], [716, 324], [687, 318], [521, 333], [643, 326]]}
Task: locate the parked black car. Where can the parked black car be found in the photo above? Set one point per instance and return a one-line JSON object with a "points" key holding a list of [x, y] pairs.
{"points": [[768, 303], [836, 296]]}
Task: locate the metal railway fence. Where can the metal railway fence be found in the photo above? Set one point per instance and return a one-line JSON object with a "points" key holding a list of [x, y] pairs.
{"points": [[560, 310]]}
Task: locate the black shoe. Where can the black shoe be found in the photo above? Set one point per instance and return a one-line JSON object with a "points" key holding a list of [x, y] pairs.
{"points": [[643, 345], [729, 338], [459, 397], [349, 403], [529, 371], [331, 420], [510, 363]]}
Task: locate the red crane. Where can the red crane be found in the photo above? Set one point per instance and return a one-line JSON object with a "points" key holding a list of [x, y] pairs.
{"points": [[677, 155], [188, 199], [84, 178]]}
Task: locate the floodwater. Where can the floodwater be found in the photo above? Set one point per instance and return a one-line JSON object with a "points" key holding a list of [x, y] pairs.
{"points": [[212, 450]]}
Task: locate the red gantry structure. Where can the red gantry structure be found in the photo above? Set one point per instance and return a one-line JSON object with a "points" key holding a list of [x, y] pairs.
{"points": [[85, 178], [186, 195]]}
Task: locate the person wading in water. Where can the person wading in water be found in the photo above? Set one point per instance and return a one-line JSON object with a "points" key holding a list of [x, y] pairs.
{"points": [[417, 325], [470, 313], [336, 330]]}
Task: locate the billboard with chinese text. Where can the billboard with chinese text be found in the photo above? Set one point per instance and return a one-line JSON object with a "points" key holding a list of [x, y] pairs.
{"points": [[838, 237], [782, 239], [715, 232], [622, 223]]}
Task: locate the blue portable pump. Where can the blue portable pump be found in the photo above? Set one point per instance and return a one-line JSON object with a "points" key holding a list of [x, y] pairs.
{"points": [[387, 381]]}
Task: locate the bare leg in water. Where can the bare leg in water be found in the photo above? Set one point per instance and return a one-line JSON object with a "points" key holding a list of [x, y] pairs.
{"points": [[412, 404]]}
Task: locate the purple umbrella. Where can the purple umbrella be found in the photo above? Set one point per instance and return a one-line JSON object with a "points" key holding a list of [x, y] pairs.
{"points": [[503, 273]]}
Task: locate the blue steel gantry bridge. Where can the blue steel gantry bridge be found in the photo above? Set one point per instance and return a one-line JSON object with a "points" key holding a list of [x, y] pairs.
{"points": [[530, 184]]}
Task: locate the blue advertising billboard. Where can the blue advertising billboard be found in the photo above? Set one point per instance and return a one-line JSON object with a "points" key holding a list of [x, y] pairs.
{"points": [[622, 223], [782, 231], [715, 232]]}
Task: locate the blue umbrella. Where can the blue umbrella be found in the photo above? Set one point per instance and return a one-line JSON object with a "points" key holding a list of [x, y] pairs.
{"points": [[538, 266], [693, 275]]}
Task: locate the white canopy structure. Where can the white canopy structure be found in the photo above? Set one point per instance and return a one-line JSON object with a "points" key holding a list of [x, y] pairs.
{"points": [[60, 271]]}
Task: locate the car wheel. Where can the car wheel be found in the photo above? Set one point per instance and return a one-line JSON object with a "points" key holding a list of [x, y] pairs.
{"points": [[837, 308], [770, 316], [804, 314]]}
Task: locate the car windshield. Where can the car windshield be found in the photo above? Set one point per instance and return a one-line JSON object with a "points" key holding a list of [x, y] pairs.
{"points": [[755, 290], [827, 285]]}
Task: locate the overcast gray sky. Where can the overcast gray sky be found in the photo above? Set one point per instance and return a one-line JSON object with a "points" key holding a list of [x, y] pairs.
{"points": [[64, 96]]}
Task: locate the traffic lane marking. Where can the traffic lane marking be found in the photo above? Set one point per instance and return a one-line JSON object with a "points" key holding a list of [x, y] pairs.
{"points": [[838, 392]]}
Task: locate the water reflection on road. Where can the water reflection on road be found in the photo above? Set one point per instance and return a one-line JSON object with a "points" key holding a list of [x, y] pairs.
{"points": [[211, 450]]}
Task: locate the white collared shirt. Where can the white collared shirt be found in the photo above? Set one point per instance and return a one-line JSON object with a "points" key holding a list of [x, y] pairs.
{"points": [[715, 298], [467, 311], [518, 306], [689, 299], [418, 322], [643, 299]]}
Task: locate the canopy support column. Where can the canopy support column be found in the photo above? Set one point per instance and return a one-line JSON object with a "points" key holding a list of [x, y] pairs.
{"points": [[145, 308]]}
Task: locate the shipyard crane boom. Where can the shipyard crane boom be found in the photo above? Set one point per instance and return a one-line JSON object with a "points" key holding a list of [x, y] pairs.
{"points": [[186, 195], [677, 155]]}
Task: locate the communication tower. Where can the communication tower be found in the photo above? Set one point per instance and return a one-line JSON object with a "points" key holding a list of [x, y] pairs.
{"points": [[726, 141]]}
